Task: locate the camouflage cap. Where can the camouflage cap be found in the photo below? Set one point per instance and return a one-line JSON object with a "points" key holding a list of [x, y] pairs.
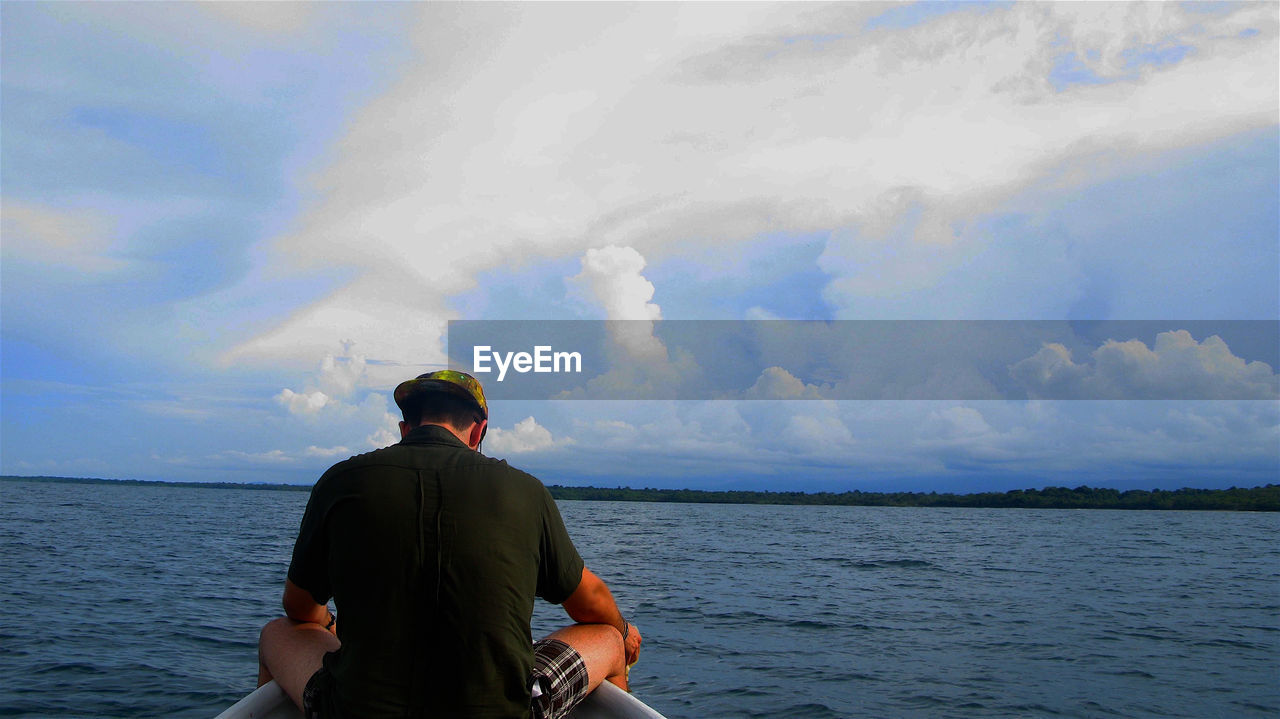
{"points": [[445, 380]]}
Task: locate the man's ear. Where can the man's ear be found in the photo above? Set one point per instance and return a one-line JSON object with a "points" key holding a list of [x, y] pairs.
{"points": [[477, 433], [404, 429]]}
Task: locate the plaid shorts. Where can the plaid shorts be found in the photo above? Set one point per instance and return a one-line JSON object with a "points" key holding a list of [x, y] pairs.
{"points": [[558, 671], [311, 694], [561, 675]]}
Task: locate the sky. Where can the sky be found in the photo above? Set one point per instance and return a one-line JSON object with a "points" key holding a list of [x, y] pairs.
{"points": [[230, 229]]}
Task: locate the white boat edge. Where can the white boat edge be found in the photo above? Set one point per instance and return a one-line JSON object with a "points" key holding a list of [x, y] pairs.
{"points": [[607, 702], [268, 700]]}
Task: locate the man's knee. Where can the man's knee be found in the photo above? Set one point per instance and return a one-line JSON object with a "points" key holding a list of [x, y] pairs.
{"points": [[291, 651], [600, 646], [616, 643], [273, 629], [609, 639], [281, 637]]}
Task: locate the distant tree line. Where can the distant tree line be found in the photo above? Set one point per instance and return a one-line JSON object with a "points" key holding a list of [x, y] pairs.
{"points": [[158, 483], [1255, 499]]}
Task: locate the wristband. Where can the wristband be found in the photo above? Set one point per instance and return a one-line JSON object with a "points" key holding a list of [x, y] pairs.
{"points": [[626, 626]]}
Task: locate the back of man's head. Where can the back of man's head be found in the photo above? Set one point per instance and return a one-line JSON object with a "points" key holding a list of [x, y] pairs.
{"points": [[440, 408], [442, 397]]}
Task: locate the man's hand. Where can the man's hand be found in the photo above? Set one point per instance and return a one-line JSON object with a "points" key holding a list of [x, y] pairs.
{"points": [[631, 646]]}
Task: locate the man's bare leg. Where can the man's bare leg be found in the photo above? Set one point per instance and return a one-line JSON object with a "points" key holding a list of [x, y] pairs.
{"points": [[290, 652], [601, 648]]}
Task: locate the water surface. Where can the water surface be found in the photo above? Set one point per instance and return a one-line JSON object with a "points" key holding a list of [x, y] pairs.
{"points": [[133, 601]]}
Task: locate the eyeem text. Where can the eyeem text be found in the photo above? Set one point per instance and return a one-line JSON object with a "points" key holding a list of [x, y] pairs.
{"points": [[542, 360]]}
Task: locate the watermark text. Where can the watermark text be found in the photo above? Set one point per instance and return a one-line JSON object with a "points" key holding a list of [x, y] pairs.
{"points": [[542, 360]]}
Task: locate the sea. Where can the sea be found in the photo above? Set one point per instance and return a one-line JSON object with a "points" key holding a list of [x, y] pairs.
{"points": [[146, 601]]}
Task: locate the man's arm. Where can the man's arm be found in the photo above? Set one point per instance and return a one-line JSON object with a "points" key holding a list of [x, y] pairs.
{"points": [[592, 603], [300, 607]]}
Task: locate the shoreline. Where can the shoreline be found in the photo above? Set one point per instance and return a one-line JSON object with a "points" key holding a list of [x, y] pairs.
{"points": [[1255, 499]]}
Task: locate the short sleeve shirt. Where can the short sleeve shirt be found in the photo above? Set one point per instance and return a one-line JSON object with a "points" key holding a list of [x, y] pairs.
{"points": [[433, 554]]}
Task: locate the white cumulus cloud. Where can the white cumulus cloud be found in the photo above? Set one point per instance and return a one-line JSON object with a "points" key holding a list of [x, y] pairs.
{"points": [[1176, 367], [777, 383], [526, 436], [336, 379], [387, 432], [818, 434], [640, 366], [305, 403], [612, 277], [340, 374]]}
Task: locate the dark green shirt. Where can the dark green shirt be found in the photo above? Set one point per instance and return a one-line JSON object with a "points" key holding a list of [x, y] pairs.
{"points": [[433, 554]]}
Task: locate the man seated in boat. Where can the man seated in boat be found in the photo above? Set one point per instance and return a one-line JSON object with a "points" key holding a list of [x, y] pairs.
{"points": [[433, 554]]}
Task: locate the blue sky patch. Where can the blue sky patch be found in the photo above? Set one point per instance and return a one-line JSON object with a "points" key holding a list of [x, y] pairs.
{"points": [[1068, 70], [175, 143], [776, 273], [1156, 55], [902, 16]]}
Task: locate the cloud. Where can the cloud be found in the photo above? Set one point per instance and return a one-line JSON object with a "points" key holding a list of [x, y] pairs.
{"points": [[756, 312], [275, 456], [278, 456], [691, 125], [525, 437], [392, 319], [1177, 366], [327, 406], [302, 402], [326, 452], [387, 434], [611, 276], [639, 365], [957, 423], [816, 434], [340, 374], [810, 443], [1050, 371], [777, 383]]}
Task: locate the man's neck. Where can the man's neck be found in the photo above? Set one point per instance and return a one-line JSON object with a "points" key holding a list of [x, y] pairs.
{"points": [[462, 434]]}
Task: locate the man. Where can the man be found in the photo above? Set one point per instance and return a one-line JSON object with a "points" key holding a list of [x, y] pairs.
{"points": [[433, 554]]}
